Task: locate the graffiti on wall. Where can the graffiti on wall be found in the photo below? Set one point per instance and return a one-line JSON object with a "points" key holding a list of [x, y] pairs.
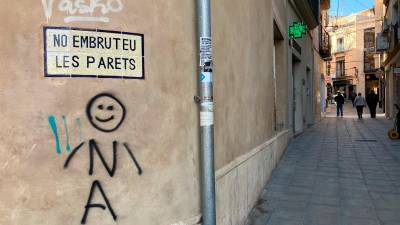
{"points": [[83, 10], [54, 128], [53, 125], [106, 114]]}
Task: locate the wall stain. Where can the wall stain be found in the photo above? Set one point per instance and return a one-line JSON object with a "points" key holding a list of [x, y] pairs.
{"points": [[68, 146], [79, 124]]}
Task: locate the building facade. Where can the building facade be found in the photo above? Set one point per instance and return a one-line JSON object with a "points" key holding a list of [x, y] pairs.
{"points": [[97, 106], [389, 43], [306, 60]]}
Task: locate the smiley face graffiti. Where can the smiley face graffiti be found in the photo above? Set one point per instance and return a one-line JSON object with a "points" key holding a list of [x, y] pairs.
{"points": [[105, 112]]}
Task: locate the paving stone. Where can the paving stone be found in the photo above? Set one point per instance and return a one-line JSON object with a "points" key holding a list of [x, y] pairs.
{"points": [[358, 212], [389, 215], [291, 204], [300, 190], [325, 200], [383, 188], [327, 191], [323, 209], [281, 221], [358, 221], [390, 223], [315, 218], [354, 193], [357, 202]]}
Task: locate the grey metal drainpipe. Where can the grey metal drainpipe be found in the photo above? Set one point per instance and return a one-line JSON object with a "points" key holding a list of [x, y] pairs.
{"points": [[206, 113]]}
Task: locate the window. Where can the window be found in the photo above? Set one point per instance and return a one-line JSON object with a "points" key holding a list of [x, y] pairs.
{"points": [[340, 67], [340, 45], [369, 39], [369, 62], [369, 50]]}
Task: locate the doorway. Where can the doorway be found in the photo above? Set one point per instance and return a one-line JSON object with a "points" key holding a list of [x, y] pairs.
{"points": [[297, 97]]}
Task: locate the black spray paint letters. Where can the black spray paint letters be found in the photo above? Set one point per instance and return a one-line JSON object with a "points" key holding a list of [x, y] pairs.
{"points": [[105, 112], [94, 148], [90, 205]]}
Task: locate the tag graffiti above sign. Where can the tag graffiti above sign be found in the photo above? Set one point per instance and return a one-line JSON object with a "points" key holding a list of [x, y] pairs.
{"points": [[83, 11], [76, 52]]}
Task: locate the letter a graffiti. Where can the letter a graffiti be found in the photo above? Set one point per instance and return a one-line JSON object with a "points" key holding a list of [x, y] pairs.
{"points": [[90, 205]]}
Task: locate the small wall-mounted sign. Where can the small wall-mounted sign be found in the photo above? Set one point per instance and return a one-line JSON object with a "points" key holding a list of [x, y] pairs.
{"points": [[396, 71], [76, 52], [382, 42], [297, 30]]}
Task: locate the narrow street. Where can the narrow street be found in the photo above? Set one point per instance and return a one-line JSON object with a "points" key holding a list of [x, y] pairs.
{"points": [[342, 171]]}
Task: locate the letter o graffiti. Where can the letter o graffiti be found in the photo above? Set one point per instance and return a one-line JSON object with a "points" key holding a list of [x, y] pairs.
{"points": [[111, 6]]}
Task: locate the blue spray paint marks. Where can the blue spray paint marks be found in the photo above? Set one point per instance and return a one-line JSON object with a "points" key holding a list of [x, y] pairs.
{"points": [[68, 147], [78, 122], [53, 125]]}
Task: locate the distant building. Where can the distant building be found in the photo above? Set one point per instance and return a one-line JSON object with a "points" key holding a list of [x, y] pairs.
{"points": [[353, 66]]}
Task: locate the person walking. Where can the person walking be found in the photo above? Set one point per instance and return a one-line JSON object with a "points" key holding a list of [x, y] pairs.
{"points": [[372, 101], [339, 99], [330, 98], [359, 102], [353, 97]]}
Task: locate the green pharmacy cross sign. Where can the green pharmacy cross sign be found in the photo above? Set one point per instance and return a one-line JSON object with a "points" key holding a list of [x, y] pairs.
{"points": [[297, 30]]}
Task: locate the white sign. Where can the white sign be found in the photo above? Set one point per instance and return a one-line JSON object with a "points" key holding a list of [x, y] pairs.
{"points": [[75, 52]]}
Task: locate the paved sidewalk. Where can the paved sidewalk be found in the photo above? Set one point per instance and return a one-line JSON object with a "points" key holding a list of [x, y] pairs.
{"points": [[342, 171]]}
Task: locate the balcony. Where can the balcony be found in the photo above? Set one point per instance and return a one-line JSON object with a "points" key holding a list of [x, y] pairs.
{"points": [[343, 80], [309, 10], [324, 44], [340, 48]]}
